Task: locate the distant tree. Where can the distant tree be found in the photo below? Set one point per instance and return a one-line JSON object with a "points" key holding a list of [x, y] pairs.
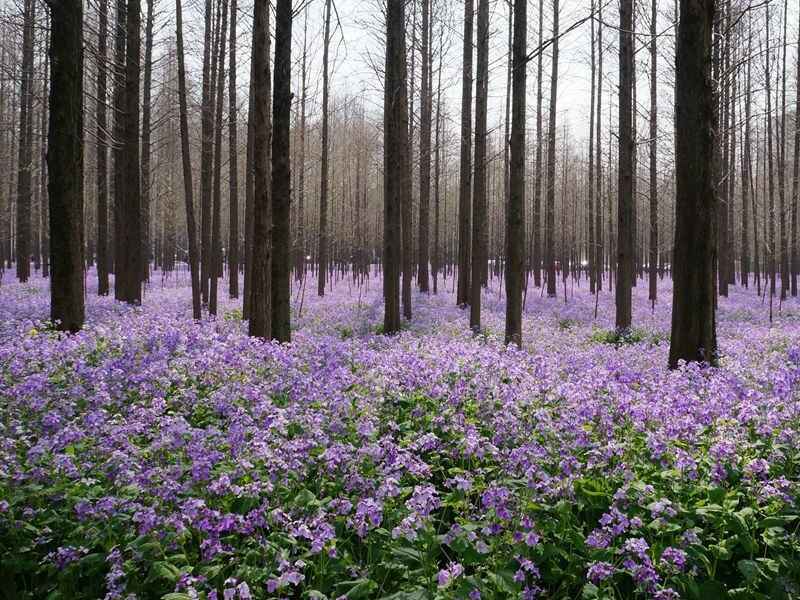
{"points": [[425, 119], [515, 215], [694, 335], [65, 164], [281, 173], [396, 184], [625, 223]]}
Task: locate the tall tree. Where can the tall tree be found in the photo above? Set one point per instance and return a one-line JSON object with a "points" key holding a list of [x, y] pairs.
{"points": [[65, 164], [206, 153], [128, 284], [102, 152], [260, 270], [653, 257], [465, 182], [146, 127], [598, 225], [770, 159], [550, 220], [515, 215], [784, 245], [795, 267], [426, 109], [322, 251], [396, 184], [233, 165], [694, 336], [479, 254], [590, 183], [186, 158], [25, 163], [117, 153], [625, 234], [281, 173], [537, 178]]}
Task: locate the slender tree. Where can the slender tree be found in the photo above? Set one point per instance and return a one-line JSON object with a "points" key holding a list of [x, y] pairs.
{"points": [[65, 164], [281, 173], [625, 225], [479, 241], [233, 165], [322, 251], [653, 257], [260, 270], [465, 178], [426, 102], [515, 215], [102, 151], [694, 336], [146, 127], [25, 147], [796, 173], [395, 162], [550, 220], [186, 158]]}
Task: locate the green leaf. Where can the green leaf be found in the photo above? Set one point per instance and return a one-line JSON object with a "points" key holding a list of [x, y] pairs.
{"points": [[750, 570]]}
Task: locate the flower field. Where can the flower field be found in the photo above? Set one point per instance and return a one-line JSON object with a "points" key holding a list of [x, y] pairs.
{"points": [[150, 456]]}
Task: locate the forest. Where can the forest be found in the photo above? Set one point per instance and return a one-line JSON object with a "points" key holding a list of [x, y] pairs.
{"points": [[399, 299]]}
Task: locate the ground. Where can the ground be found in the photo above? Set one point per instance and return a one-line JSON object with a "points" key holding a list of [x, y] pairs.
{"points": [[156, 457]]}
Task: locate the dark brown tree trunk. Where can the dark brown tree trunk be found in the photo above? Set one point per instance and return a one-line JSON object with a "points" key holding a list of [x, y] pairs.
{"points": [[186, 157], [515, 215], [425, 154], [118, 137], [653, 258], [102, 152], [784, 244], [322, 252], [694, 336], [479, 250], [770, 168], [550, 219], [44, 215], [145, 198], [625, 234], [216, 226], [24, 175], [260, 313], [537, 184], [465, 184], [598, 236], [795, 259], [436, 262], [233, 166], [300, 266], [746, 182], [128, 284], [65, 164], [206, 155], [396, 184], [249, 192], [591, 243], [281, 173]]}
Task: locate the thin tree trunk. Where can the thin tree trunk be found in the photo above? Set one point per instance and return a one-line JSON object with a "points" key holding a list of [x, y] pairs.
{"points": [[465, 183], [515, 215], [625, 225], [102, 152], [145, 197], [186, 157], [550, 220], [322, 252], [233, 165], [591, 243], [796, 172], [425, 154], [653, 258], [537, 184], [24, 177]]}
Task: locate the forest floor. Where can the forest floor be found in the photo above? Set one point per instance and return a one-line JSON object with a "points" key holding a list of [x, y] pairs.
{"points": [[153, 456]]}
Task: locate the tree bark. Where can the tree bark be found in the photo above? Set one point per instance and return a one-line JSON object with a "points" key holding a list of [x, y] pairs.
{"points": [[102, 152], [653, 257], [425, 154], [550, 218], [65, 164], [322, 253], [625, 234], [281, 173], [465, 183], [515, 215], [694, 335], [24, 176], [537, 184], [145, 197], [233, 166]]}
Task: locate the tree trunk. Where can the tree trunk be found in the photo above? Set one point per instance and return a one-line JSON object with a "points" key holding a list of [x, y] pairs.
{"points": [[395, 162], [550, 220], [281, 173], [322, 252], [24, 176], [625, 234], [537, 184], [465, 184], [127, 285], [119, 135], [102, 152], [653, 258], [796, 174], [425, 154], [694, 336], [186, 157], [260, 313], [145, 198], [206, 154], [233, 166], [770, 169], [590, 204], [784, 245], [479, 256], [515, 215], [65, 164]]}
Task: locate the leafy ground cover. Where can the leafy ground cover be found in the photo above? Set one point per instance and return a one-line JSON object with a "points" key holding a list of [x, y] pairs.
{"points": [[153, 457]]}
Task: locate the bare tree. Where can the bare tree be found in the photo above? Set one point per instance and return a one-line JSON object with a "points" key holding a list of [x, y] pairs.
{"points": [[102, 152], [233, 165], [322, 252], [550, 219], [465, 184], [625, 234], [425, 154]]}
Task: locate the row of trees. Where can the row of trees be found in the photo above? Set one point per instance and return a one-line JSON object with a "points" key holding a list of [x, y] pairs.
{"points": [[495, 209]]}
